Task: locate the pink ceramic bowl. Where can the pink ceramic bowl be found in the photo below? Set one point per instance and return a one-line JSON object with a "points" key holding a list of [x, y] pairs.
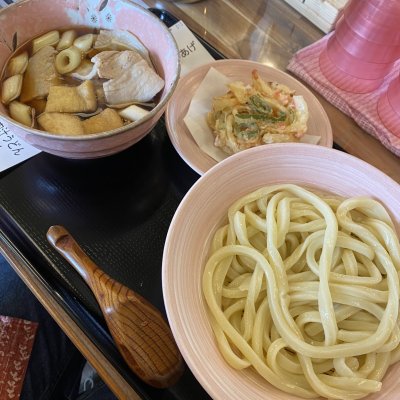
{"points": [[203, 210], [343, 80], [393, 94], [388, 115], [30, 18], [374, 21], [353, 65], [364, 49], [383, 13], [236, 70], [389, 107]]}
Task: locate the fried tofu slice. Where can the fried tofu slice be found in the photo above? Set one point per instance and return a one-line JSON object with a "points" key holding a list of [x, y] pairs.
{"points": [[40, 75], [105, 121], [72, 99], [62, 124], [38, 104]]}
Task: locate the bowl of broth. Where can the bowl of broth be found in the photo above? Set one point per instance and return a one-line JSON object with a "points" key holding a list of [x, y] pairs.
{"points": [[84, 79]]}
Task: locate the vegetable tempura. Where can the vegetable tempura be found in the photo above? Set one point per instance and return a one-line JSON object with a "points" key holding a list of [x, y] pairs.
{"points": [[256, 114]]}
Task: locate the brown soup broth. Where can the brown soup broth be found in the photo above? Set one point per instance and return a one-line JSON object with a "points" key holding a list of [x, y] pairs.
{"points": [[27, 46], [65, 79]]}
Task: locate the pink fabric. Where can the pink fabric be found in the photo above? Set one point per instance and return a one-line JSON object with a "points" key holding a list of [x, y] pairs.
{"points": [[361, 107], [16, 341]]}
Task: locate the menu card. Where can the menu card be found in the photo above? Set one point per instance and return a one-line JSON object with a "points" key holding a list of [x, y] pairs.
{"points": [[13, 150], [192, 53]]}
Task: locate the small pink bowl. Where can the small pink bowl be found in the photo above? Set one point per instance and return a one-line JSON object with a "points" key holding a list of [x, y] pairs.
{"points": [[362, 48], [354, 66], [236, 70], [384, 13], [344, 81], [371, 24], [26, 19], [393, 95], [389, 117]]}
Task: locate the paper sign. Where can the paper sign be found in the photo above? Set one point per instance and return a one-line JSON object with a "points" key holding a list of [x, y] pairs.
{"points": [[13, 150], [191, 51]]}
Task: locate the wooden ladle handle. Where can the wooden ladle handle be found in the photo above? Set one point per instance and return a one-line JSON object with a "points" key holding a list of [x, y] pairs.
{"points": [[139, 330]]}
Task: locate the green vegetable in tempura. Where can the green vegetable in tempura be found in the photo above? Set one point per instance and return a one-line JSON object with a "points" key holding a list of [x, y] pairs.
{"points": [[256, 114]]}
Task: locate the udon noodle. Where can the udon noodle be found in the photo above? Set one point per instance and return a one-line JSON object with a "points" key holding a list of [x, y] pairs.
{"points": [[305, 289]]}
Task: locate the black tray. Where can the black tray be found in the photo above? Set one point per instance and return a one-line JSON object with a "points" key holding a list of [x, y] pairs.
{"points": [[119, 209]]}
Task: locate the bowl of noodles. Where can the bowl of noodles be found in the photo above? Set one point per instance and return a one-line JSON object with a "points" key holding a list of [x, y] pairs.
{"points": [[84, 79], [280, 276]]}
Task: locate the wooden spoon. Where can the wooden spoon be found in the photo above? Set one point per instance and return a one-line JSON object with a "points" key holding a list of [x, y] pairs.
{"points": [[138, 328]]}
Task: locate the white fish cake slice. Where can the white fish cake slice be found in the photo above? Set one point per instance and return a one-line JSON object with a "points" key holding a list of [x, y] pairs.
{"points": [[139, 83], [118, 39], [85, 71]]}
